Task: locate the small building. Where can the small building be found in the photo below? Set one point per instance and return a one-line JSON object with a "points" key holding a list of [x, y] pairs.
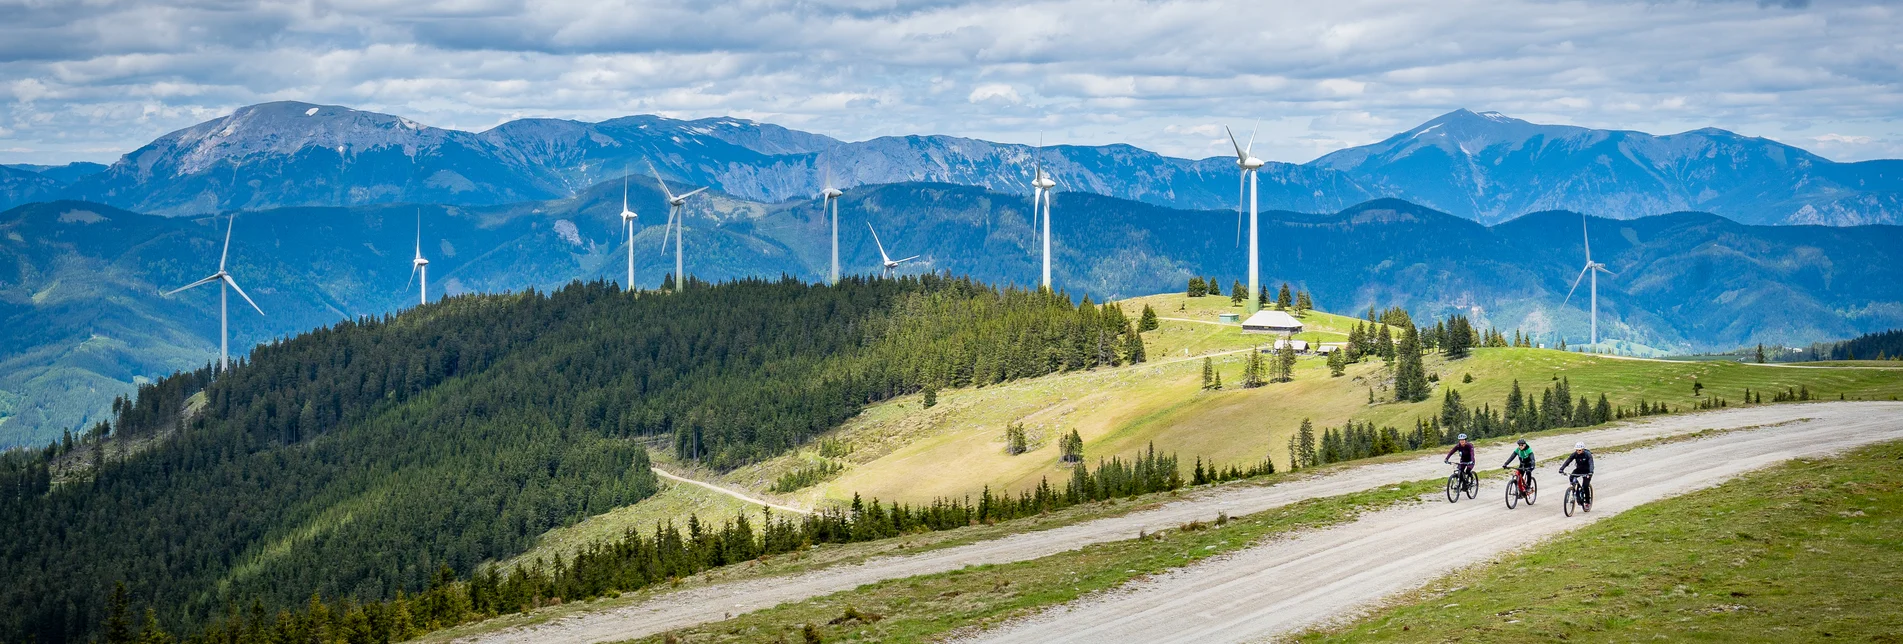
{"points": [[1329, 347], [1276, 322], [1229, 318], [1300, 346]]}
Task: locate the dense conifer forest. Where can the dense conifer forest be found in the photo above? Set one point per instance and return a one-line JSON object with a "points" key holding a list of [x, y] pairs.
{"points": [[384, 456]]}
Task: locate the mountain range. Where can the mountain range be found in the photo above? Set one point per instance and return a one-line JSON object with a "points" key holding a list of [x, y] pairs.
{"points": [[1483, 166], [80, 281]]}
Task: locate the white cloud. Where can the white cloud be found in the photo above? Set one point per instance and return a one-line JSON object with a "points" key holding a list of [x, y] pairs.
{"points": [[995, 92], [113, 74], [1839, 138]]}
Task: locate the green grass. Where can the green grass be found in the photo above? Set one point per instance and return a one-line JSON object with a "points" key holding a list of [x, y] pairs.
{"points": [[1802, 552], [925, 607]]}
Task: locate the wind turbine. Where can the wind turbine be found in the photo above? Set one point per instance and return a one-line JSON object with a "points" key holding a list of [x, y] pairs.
{"points": [[419, 265], [886, 260], [225, 285], [627, 231], [1042, 185], [1249, 165], [829, 199], [676, 219], [1594, 269]]}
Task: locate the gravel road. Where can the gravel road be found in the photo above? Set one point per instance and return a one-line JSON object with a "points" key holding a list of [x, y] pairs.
{"points": [[1287, 585], [1332, 579]]}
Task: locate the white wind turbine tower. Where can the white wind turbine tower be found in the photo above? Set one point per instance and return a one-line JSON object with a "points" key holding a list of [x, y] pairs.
{"points": [[1042, 187], [829, 202], [676, 219], [1594, 269], [225, 285], [627, 231], [885, 260], [419, 265], [1249, 165]]}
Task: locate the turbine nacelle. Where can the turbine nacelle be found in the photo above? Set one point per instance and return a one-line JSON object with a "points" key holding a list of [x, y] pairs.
{"points": [[627, 216], [830, 193]]}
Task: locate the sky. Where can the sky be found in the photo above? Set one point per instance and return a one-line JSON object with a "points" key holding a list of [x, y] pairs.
{"points": [[89, 80]]}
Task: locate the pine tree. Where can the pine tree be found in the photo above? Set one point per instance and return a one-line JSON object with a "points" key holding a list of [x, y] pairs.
{"points": [[1148, 322], [1215, 287], [1285, 363], [1209, 374], [1384, 343], [1306, 453], [152, 633], [1760, 353], [1197, 288], [1410, 376], [931, 396], [118, 616], [1237, 293], [1071, 449], [1132, 345], [1283, 300], [1337, 363]]}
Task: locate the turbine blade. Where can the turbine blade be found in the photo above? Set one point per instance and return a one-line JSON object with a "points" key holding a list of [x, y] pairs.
{"points": [[247, 298], [192, 285], [657, 179], [1586, 236], [875, 241], [1251, 147], [668, 228], [902, 261], [1240, 155], [412, 280], [419, 233], [1242, 195], [233, 223], [1569, 292], [1602, 269], [624, 192], [695, 192]]}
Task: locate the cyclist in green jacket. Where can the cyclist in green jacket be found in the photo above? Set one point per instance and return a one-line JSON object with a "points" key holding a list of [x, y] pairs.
{"points": [[1525, 456]]}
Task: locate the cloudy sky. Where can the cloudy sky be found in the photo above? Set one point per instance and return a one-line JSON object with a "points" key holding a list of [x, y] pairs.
{"points": [[91, 79]]}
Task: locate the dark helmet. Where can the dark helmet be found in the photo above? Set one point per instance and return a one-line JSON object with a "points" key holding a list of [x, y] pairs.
{"points": [[1522, 442]]}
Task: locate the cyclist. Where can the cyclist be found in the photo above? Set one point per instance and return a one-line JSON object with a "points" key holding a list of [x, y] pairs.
{"points": [[1466, 452], [1582, 475], [1525, 455]]}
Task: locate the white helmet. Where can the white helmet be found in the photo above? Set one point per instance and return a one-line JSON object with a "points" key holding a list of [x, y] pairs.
{"points": [[1579, 445], [1462, 437]]}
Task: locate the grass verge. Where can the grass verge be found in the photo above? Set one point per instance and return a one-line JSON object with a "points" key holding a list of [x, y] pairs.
{"points": [[928, 606], [1806, 551]]}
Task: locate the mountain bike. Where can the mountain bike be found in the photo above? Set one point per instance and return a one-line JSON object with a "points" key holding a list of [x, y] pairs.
{"points": [[1462, 480], [1521, 486], [1578, 494]]}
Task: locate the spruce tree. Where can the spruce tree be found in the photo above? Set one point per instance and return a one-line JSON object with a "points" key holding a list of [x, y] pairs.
{"points": [[1215, 287], [1237, 293], [1384, 343], [1410, 376], [1148, 322], [1132, 345], [1337, 363], [1306, 453], [1303, 304], [118, 616], [1285, 363], [1209, 374], [1196, 287], [1283, 300], [931, 396]]}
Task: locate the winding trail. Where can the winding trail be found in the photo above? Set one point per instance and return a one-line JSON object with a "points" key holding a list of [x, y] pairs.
{"points": [[729, 492], [1287, 584]]}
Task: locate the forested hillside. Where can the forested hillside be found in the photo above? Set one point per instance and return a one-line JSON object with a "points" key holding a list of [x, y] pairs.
{"points": [[356, 460]]}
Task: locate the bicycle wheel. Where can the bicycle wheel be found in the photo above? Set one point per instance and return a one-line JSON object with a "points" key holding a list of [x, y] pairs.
{"points": [[1453, 488], [1532, 489], [1473, 485], [1513, 494], [1567, 504], [1585, 497]]}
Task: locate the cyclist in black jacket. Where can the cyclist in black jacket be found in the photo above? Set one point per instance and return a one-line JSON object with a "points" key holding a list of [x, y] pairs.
{"points": [[1583, 460], [1466, 451]]}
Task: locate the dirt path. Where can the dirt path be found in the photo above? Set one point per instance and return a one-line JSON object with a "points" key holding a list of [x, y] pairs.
{"points": [[1859, 420], [733, 493], [1287, 585]]}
